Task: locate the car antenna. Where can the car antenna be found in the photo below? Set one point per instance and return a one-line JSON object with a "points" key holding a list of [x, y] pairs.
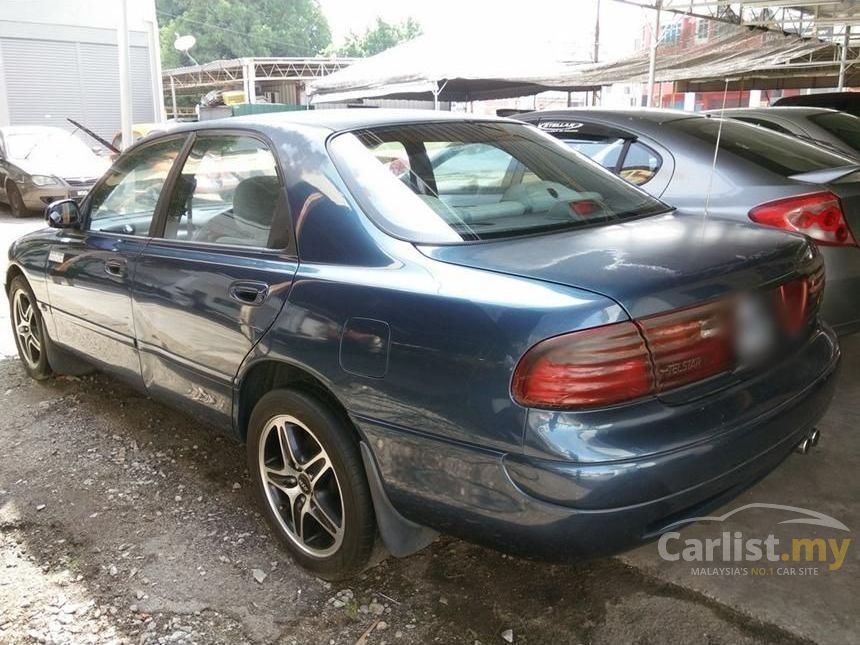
{"points": [[105, 143], [714, 161]]}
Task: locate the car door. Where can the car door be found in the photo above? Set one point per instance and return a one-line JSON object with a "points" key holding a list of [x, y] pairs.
{"points": [[213, 279], [90, 272]]}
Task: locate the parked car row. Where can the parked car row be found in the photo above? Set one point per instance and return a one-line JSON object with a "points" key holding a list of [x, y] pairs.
{"points": [[423, 322], [757, 174], [42, 164]]}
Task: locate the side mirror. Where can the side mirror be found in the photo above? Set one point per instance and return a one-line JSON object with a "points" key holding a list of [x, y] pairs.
{"points": [[63, 213]]}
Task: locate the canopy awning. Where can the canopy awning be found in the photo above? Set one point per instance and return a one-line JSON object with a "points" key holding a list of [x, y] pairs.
{"points": [[747, 58], [460, 69]]}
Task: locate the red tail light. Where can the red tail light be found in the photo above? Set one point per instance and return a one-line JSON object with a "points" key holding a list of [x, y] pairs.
{"points": [[690, 344], [624, 361], [589, 368], [818, 215]]}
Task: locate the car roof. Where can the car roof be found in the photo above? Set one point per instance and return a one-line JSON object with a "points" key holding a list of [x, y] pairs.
{"points": [[792, 110], [340, 119], [612, 115]]}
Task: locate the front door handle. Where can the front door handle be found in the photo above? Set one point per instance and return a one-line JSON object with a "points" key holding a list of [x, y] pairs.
{"points": [[115, 267], [249, 292]]}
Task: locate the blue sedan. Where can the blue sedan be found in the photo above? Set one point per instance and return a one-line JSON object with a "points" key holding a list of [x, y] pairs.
{"points": [[423, 323]]}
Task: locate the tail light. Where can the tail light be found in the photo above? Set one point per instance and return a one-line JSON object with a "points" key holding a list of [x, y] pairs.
{"points": [[620, 362], [690, 344], [589, 368], [818, 215]]}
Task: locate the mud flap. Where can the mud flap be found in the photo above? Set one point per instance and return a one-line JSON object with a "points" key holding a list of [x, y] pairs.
{"points": [[401, 537]]}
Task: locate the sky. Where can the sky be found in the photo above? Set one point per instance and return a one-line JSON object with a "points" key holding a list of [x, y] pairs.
{"points": [[568, 24]]}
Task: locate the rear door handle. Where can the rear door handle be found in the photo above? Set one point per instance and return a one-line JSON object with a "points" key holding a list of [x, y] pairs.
{"points": [[248, 292], [115, 267]]}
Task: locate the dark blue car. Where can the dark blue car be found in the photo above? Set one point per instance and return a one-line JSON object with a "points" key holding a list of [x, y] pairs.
{"points": [[424, 322]]}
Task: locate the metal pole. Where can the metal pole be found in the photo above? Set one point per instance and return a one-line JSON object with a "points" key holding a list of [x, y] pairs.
{"points": [[652, 62], [843, 61], [173, 98], [251, 74], [124, 84], [596, 53]]}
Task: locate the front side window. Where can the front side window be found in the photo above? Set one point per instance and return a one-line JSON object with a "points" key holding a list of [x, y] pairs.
{"points": [[227, 193], [778, 153], [125, 202], [480, 180]]}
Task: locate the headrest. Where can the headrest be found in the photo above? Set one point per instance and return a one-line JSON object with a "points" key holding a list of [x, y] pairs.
{"points": [[255, 199]]}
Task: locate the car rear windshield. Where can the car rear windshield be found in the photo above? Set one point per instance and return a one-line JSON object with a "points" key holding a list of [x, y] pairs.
{"points": [[779, 153], [438, 183], [845, 127]]}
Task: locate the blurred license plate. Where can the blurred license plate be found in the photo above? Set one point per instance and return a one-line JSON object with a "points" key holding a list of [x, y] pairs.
{"points": [[80, 193], [755, 336]]}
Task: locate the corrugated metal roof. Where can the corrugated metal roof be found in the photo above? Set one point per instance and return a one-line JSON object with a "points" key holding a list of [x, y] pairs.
{"points": [[750, 57]]}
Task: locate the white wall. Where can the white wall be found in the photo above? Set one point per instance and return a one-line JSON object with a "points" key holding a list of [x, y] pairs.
{"points": [[76, 27], [103, 14]]}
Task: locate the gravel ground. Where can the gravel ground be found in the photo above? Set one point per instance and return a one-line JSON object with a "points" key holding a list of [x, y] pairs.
{"points": [[122, 521]]}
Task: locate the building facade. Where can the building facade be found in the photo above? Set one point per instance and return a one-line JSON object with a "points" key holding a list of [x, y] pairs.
{"points": [[59, 59]]}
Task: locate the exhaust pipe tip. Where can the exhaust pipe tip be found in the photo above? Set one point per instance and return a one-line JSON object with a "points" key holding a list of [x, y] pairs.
{"points": [[804, 446], [814, 436]]}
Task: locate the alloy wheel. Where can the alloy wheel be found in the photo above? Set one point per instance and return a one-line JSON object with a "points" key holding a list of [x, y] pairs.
{"points": [[26, 326], [301, 486]]}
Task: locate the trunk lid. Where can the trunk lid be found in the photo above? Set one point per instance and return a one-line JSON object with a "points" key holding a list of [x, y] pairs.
{"points": [[649, 265]]}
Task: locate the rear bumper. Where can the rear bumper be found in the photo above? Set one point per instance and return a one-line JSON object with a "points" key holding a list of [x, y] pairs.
{"points": [[841, 306], [564, 509]]}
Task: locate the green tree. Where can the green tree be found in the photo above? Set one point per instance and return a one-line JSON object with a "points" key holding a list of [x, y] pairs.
{"points": [[381, 36], [237, 28]]}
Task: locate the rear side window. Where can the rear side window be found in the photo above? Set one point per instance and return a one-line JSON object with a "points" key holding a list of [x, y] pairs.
{"points": [[770, 125], [778, 153], [845, 127], [604, 151], [640, 164], [481, 180], [227, 193], [636, 163]]}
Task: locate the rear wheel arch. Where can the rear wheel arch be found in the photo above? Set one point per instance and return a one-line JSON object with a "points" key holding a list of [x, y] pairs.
{"points": [[267, 375]]}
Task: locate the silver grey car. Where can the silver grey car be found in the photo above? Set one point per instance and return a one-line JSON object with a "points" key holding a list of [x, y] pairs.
{"points": [[41, 164], [836, 130], [760, 175]]}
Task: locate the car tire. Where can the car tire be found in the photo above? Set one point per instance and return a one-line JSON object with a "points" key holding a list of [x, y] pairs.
{"points": [[28, 328], [309, 479], [16, 202]]}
